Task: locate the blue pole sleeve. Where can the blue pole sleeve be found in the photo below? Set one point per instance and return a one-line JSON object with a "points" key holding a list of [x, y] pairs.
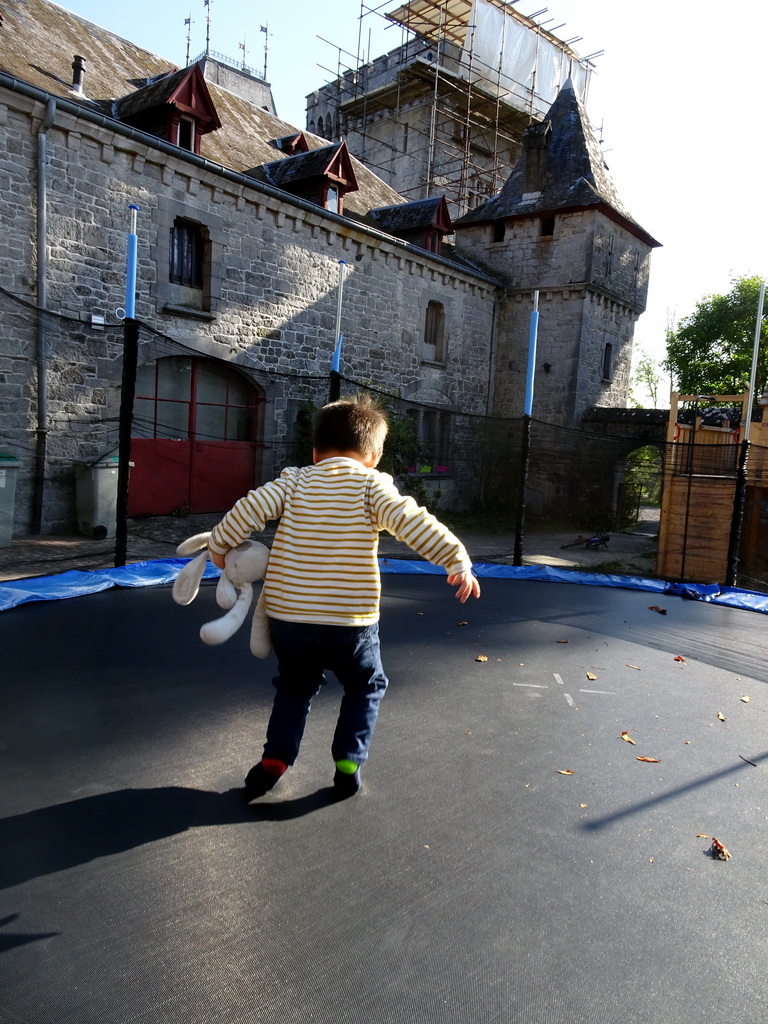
{"points": [[531, 361], [130, 284], [337, 355]]}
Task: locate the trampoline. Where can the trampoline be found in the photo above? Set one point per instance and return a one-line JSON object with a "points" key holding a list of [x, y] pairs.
{"points": [[509, 860]]}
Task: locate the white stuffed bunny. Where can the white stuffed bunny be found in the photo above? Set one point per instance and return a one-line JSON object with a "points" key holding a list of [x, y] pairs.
{"points": [[243, 565]]}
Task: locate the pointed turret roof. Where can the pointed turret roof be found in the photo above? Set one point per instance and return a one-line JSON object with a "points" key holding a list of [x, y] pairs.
{"points": [[562, 168]]}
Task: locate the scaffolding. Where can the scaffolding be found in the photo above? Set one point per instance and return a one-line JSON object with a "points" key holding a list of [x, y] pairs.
{"points": [[440, 114]]}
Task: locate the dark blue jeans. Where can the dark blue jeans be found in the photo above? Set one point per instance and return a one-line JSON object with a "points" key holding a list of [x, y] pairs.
{"points": [[304, 650]]}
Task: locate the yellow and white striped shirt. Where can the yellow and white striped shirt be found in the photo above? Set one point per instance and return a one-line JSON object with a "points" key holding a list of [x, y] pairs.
{"points": [[323, 567]]}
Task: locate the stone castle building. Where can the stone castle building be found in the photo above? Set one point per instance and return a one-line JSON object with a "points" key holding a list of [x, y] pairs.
{"points": [[245, 225]]}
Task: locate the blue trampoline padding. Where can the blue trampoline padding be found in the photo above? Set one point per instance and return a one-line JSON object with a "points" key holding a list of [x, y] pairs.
{"points": [[77, 584], [165, 570], [748, 599]]}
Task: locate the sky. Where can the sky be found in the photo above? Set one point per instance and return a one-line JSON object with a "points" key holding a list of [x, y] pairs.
{"points": [[678, 98]]}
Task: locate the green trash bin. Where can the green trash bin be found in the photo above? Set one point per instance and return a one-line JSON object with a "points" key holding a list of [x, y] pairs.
{"points": [[96, 491], [9, 467]]}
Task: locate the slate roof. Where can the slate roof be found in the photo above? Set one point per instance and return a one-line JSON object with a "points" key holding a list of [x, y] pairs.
{"points": [[575, 176], [300, 166], [421, 213], [39, 39], [153, 95]]}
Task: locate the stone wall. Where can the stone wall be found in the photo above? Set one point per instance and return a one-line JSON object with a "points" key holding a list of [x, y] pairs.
{"points": [[273, 275]]}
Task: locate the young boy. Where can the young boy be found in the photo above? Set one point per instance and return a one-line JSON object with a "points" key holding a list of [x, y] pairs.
{"points": [[322, 586]]}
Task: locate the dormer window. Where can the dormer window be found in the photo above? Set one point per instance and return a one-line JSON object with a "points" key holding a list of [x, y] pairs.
{"points": [[424, 222], [186, 134], [177, 107], [332, 199], [291, 144], [322, 176], [433, 241]]}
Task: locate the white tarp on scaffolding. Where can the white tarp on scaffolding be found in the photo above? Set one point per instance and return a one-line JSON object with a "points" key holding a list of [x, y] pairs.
{"points": [[516, 61]]}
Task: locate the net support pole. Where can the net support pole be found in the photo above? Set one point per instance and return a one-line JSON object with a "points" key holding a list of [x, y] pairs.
{"points": [[127, 393], [525, 447], [755, 353], [334, 391], [739, 503]]}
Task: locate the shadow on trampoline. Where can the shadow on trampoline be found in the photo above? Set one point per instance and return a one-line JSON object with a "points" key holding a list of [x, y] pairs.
{"points": [[671, 794], [51, 839], [10, 940]]}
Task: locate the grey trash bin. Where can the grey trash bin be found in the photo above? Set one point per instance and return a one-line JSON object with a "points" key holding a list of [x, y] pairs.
{"points": [[9, 466], [96, 488]]}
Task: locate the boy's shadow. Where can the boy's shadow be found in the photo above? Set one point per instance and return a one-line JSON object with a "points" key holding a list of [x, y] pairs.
{"points": [[55, 838]]}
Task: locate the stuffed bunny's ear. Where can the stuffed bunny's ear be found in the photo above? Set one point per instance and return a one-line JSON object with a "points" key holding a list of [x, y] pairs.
{"points": [[261, 641], [222, 629], [226, 595], [192, 544], [187, 583]]}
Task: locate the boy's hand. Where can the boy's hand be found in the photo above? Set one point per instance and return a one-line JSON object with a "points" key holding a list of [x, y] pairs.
{"points": [[466, 585], [217, 559]]}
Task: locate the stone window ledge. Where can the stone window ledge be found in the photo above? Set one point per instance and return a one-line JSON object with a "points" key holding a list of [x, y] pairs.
{"points": [[187, 311]]}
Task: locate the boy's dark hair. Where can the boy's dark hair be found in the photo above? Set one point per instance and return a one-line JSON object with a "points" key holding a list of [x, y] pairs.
{"points": [[351, 425]]}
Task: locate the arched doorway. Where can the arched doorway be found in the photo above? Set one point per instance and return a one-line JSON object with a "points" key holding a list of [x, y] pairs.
{"points": [[639, 499], [195, 437]]}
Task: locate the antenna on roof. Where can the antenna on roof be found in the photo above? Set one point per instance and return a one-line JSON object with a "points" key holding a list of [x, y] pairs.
{"points": [[242, 47], [188, 23], [265, 30], [207, 4]]}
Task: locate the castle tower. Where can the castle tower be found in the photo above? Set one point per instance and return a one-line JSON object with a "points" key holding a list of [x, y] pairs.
{"points": [[558, 227]]}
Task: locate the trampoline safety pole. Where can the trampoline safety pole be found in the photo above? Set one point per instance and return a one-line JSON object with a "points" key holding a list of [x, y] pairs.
{"points": [[755, 354], [335, 383], [130, 277], [525, 447], [740, 494], [127, 393]]}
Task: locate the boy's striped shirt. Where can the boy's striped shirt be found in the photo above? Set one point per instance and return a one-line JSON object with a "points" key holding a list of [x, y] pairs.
{"points": [[323, 567]]}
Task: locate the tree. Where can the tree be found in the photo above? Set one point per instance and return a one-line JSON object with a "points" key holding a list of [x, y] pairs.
{"points": [[710, 351], [645, 380]]}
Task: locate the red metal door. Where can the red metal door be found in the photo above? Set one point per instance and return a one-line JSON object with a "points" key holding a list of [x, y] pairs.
{"points": [[210, 458]]}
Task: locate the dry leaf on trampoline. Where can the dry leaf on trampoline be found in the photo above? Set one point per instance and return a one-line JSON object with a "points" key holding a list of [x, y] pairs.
{"points": [[719, 852]]}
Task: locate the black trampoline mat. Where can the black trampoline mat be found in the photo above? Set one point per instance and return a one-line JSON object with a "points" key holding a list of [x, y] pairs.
{"points": [[470, 882]]}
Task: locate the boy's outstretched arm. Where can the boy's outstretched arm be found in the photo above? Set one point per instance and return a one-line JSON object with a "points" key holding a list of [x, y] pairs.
{"points": [[466, 585]]}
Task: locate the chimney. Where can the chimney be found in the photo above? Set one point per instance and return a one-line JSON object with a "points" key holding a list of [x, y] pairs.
{"points": [[78, 70], [536, 139]]}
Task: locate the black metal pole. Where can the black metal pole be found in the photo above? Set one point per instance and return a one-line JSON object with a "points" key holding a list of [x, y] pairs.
{"points": [[334, 389], [739, 502], [525, 452], [127, 393]]}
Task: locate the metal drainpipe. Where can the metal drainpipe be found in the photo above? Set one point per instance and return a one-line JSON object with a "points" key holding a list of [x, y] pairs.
{"points": [[42, 302]]}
